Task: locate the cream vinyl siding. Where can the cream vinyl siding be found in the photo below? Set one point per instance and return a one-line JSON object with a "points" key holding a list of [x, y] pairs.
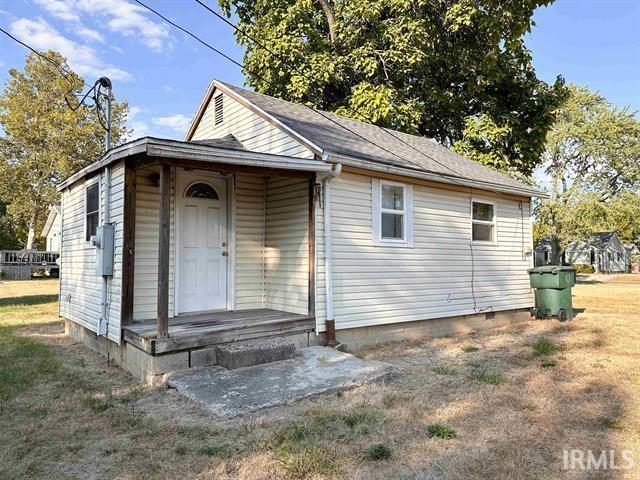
{"points": [[253, 131], [261, 271], [249, 215], [376, 285], [145, 285], [80, 287], [287, 245]]}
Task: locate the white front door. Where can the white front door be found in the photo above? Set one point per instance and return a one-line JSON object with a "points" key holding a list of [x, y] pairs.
{"points": [[202, 242]]}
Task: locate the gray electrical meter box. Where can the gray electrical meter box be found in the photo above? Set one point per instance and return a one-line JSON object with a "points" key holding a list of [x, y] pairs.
{"points": [[104, 250]]}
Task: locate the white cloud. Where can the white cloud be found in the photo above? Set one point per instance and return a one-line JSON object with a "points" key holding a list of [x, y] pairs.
{"points": [[83, 59], [89, 34], [121, 16], [59, 8], [139, 127], [178, 122]]}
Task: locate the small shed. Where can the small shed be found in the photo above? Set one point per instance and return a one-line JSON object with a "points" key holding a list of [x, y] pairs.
{"points": [[545, 251], [603, 251]]}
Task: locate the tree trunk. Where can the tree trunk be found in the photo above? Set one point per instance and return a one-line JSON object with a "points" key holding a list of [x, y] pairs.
{"points": [[31, 237], [331, 19]]}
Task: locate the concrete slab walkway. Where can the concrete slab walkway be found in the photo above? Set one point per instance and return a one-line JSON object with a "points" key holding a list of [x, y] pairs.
{"points": [[315, 370]]}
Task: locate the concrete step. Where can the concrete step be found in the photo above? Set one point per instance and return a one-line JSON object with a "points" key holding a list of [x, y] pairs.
{"points": [[254, 352]]}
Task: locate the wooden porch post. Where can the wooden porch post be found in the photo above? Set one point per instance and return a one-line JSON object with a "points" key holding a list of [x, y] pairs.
{"points": [[128, 244], [163, 252]]}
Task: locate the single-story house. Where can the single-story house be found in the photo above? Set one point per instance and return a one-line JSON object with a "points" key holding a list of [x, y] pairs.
{"points": [[275, 219], [633, 257], [603, 251], [545, 251], [52, 229]]}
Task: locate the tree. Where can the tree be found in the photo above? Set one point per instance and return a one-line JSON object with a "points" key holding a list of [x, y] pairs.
{"points": [[453, 70], [44, 141], [592, 155]]}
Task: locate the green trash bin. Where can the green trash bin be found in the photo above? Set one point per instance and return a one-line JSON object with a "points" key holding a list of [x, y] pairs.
{"points": [[553, 291]]}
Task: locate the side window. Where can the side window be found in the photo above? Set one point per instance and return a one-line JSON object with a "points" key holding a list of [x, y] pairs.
{"points": [[483, 222], [392, 213], [92, 209]]}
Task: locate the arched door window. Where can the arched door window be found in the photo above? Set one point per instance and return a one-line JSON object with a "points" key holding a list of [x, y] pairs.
{"points": [[201, 190]]}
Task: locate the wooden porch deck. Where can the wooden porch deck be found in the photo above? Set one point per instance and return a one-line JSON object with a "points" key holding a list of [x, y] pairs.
{"points": [[201, 330]]}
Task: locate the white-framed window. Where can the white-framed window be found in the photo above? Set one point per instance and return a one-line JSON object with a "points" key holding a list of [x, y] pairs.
{"points": [[91, 209], [392, 211], [483, 222]]}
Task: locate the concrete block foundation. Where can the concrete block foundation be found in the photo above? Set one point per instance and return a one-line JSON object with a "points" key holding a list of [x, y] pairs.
{"points": [[152, 369], [354, 339]]}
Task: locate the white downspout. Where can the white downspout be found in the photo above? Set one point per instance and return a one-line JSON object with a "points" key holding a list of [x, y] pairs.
{"points": [[328, 257]]}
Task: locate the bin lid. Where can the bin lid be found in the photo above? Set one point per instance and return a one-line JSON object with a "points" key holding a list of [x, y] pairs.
{"points": [[551, 269]]}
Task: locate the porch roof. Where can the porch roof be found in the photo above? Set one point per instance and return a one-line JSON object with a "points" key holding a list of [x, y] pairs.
{"points": [[162, 148]]}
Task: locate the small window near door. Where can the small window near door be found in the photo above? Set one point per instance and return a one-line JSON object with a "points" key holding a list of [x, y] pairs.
{"points": [[483, 228], [201, 190], [92, 210]]}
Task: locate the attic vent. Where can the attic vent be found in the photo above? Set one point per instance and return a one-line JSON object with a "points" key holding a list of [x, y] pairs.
{"points": [[219, 112]]}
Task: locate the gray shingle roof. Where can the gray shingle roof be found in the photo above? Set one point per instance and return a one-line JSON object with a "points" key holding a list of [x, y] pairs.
{"points": [[228, 141], [601, 239], [341, 136]]}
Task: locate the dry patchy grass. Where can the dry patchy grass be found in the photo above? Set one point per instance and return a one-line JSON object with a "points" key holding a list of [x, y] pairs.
{"points": [[571, 385]]}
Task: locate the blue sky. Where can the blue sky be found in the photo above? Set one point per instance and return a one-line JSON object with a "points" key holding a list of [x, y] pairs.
{"points": [[163, 73]]}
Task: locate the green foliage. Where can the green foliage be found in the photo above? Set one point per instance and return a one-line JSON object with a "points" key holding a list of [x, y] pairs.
{"points": [[441, 431], [592, 155], [43, 141], [582, 268], [484, 374], [23, 362], [8, 238], [454, 70], [612, 423], [543, 346], [548, 363], [379, 452], [470, 348]]}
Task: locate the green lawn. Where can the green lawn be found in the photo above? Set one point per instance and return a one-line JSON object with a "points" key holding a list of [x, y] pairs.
{"points": [[24, 360]]}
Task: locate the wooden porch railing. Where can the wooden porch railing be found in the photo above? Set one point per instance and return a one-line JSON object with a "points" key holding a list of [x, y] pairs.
{"points": [[32, 258]]}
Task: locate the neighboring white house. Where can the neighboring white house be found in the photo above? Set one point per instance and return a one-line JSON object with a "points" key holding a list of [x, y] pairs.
{"points": [[53, 229], [603, 251], [274, 219]]}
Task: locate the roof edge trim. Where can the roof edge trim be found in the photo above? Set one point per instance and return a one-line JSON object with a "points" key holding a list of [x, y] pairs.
{"points": [[434, 177]]}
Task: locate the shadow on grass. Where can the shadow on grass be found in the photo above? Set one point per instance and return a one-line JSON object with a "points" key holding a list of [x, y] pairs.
{"points": [[28, 300]]}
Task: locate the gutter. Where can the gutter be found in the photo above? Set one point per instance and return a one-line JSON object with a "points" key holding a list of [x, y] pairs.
{"points": [[330, 333], [376, 166]]}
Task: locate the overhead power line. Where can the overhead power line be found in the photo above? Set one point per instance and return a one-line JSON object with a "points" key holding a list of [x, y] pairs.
{"points": [[66, 74], [192, 35]]}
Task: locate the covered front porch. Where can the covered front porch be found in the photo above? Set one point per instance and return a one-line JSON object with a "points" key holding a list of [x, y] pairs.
{"points": [[208, 329], [218, 246]]}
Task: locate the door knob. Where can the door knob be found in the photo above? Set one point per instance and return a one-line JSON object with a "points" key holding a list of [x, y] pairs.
{"points": [[224, 254]]}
